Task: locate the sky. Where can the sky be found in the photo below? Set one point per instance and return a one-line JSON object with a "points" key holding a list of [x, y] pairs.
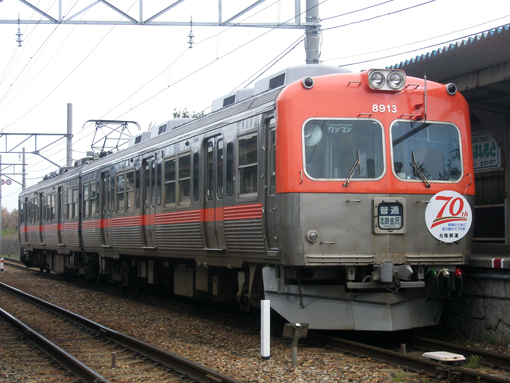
{"points": [[144, 73]]}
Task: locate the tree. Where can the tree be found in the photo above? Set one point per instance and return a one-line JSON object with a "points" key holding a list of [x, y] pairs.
{"points": [[185, 114], [9, 221]]}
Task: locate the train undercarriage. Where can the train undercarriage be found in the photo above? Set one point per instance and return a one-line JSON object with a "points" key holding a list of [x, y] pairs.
{"points": [[384, 297]]}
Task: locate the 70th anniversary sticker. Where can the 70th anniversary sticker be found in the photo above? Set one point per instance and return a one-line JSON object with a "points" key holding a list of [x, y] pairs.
{"points": [[448, 216]]}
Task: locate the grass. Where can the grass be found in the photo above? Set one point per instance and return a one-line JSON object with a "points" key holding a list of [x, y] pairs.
{"points": [[473, 362]]}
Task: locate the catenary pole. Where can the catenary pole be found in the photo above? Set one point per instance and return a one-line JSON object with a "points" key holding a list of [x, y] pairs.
{"points": [[312, 37], [69, 135]]}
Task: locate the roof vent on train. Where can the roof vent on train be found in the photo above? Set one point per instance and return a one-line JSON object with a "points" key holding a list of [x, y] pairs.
{"points": [[232, 98], [295, 73], [140, 137], [168, 126], [83, 161], [50, 175]]}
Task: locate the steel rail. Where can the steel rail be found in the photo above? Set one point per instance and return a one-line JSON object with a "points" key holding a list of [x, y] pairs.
{"points": [[417, 364], [81, 370], [171, 360]]}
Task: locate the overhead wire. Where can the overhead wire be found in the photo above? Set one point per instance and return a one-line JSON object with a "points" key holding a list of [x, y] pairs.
{"points": [[38, 56], [41, 47], [214, 61], [206, 65], [269, 65], [420, 48], [16, 50], [418, 42], [379, 16], [75, 68], [357, 10], [179, 57]]}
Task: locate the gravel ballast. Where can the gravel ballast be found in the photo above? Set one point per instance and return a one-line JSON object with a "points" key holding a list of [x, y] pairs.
{"points": [[229, 348]]}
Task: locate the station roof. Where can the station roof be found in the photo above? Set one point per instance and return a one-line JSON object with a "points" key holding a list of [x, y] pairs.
{"points": [[479, 66]]}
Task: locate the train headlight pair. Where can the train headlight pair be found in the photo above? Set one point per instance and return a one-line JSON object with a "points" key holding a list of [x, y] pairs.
{"points": [[381, 79]]}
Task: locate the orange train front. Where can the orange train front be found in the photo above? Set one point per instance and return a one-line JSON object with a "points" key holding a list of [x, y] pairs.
{"points": [[343, 198]]}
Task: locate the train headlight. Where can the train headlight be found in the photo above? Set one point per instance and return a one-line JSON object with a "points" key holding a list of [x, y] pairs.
{"points": [[386, 79], [396, 80], [376, 79], [312, 236]]}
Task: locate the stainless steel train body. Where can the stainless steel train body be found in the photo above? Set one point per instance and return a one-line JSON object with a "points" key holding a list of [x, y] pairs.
{"points": [[309, 190]]}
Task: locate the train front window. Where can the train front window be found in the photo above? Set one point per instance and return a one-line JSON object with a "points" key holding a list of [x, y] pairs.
{"points": [[434, 147], [333, 147]]}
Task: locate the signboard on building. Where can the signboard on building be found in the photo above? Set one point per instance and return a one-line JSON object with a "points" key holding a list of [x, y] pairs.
{"points": [[486, 152]]}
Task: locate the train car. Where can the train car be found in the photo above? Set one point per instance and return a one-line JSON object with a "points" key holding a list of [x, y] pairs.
{"points": [[343, 198]]}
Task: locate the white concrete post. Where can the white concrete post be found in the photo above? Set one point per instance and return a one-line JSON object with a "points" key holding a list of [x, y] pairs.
{"points": [[265, 329]]}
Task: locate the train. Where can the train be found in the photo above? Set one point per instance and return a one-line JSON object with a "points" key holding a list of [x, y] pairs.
{"points": [[345, 199]]}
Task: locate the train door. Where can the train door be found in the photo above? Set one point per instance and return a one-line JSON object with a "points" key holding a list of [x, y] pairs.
{"points": [[149, 202], [215, 235], [23, 221], [104, 208], [40, 208], [59, 213], [272, 239]]}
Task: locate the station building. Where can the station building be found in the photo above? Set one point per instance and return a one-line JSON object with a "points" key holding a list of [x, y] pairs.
{"points": [[480, 67]]}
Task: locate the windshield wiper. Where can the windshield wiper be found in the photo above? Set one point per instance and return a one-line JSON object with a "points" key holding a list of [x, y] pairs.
{"points": [[417, 170], [353, 169]]}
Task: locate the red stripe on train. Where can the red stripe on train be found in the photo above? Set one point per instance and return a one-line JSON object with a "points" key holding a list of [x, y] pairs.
{"points": [[231, 213]]}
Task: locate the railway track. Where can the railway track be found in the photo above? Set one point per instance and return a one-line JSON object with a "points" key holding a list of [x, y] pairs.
{"points": [[22, 360], [413, 360], [97, 353], [418, 363], [486, 358]]}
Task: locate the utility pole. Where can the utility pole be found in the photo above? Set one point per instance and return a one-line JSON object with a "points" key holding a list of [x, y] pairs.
{"points": [[69, 135], [313, 32]]}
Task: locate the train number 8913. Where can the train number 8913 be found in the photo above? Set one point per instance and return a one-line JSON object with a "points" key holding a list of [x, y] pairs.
{"points": [[384, 108]]}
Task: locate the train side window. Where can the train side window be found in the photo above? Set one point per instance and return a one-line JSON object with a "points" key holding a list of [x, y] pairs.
{"points": [[248, 166], [69, 204], [170, 181], [196, 166], [49, 207], [49, 210], [47, 214], [219, 175], [159, 186], [137, 188], [154, 176], [120, 193], [93, 197], [230, 168], [210, 169], [35, 211], [184, 176], [43, 208], [76, 202], [147, 182], [86, 200], [53, 206], [130, 189], [112, 193]]}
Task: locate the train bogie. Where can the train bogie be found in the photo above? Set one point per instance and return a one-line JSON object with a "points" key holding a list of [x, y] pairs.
{"points": [[343, 198]]}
